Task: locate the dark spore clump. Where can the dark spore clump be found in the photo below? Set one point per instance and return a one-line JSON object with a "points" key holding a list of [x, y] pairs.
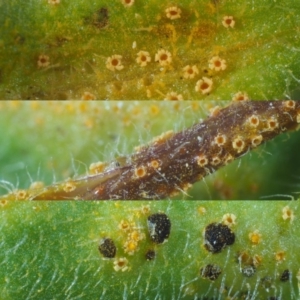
{"points": [[285, 276], [217, 236], [107, 248], [210, 272], [159, 227], [150, 254]]}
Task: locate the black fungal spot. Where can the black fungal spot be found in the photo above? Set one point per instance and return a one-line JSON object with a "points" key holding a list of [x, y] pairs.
{"points": [[159, 227], [285, 276], [107, 248], [217, 236], [210, 272], [150, 254], [248, 271]]}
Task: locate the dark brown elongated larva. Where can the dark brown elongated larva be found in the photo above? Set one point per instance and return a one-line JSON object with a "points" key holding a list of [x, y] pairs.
{"points": [[172, 162]]}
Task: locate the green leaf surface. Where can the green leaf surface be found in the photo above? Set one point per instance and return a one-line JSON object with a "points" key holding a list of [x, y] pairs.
{"points": [[49, 250]]}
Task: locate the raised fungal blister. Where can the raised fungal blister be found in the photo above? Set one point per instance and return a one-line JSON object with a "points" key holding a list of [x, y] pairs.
{"points": [[204, 85]]}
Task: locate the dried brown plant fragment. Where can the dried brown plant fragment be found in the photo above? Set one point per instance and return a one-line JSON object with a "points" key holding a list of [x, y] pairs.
{"points": [[162, 169]]}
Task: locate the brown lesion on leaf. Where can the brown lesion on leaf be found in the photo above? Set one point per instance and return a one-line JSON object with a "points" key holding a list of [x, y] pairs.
{"points": [[167, 31], [99, 19], [204, 30], [58, 41]]}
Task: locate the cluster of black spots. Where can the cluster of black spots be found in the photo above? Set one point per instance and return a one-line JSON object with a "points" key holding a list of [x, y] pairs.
{"points": [[159, 227], [217, 236], [150, 254], [107, 248], [248, 271], [285, 276], [210, 272]]}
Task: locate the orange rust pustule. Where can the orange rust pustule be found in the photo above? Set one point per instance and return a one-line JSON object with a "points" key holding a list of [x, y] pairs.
{"points": [[178, 155]]}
